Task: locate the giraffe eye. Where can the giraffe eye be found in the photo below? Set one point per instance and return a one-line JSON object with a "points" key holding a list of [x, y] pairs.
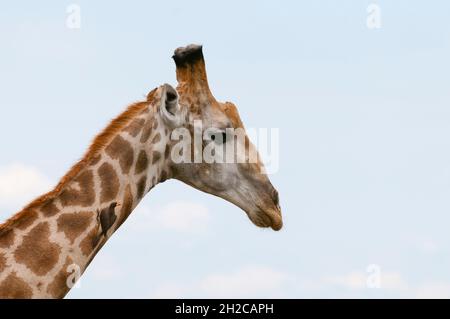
{"points": [[219, 138]]}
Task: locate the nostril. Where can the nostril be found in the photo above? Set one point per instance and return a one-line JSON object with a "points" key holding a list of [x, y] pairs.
{"points": [[276, 198]]}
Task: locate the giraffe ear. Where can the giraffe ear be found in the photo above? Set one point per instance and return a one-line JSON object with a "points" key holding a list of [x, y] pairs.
{"points": [[171, 111], [151, 94]]}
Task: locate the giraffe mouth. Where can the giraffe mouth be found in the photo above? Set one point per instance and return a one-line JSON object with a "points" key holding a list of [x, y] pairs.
{"points": [[267, 218]]}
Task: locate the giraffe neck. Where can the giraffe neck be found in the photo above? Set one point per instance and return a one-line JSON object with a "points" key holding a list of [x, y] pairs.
{"points": [[52, 241]]}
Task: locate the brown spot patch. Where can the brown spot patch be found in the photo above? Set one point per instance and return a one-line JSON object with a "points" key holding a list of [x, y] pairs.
{"points": [[142, 162], [135, 127], [156, 139], [141, 186], [26, 219], [95, 159], [127, 205], [82, 194], [2, 262], [49, 209], [6, 237], [155, 124], [121, 150], [147, 131], [74, 224], [58, 288], [167, 151], [163, 176], [155, 156], [14, 287], [109, 182], [36, 251], [87, 245]]}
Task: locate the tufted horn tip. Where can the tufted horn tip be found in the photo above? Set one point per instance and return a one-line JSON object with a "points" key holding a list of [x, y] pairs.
{"points": [[188, 55]]}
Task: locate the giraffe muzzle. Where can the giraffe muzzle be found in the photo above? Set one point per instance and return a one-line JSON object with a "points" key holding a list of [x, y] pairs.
{"points": [[269, 218]]}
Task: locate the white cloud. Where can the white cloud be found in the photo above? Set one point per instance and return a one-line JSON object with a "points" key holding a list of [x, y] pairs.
{"points": [[433, 291], [170, 291], [266, 282], [358, 280], [19, 184], [353, 280], [247, 282], [179, 216], [393, 281]]}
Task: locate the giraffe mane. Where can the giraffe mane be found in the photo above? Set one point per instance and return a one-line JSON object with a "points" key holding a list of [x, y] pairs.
{"points": [[99, 142]]}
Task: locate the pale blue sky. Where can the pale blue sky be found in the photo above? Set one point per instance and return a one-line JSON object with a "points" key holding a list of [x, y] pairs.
{"points": [[364, 119]]}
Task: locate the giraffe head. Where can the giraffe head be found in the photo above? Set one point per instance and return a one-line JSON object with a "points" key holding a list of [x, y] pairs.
{"points": [[192, 107]]}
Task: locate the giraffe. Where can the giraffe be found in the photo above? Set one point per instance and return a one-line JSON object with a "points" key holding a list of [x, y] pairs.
{"points": [[66, 227]]}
